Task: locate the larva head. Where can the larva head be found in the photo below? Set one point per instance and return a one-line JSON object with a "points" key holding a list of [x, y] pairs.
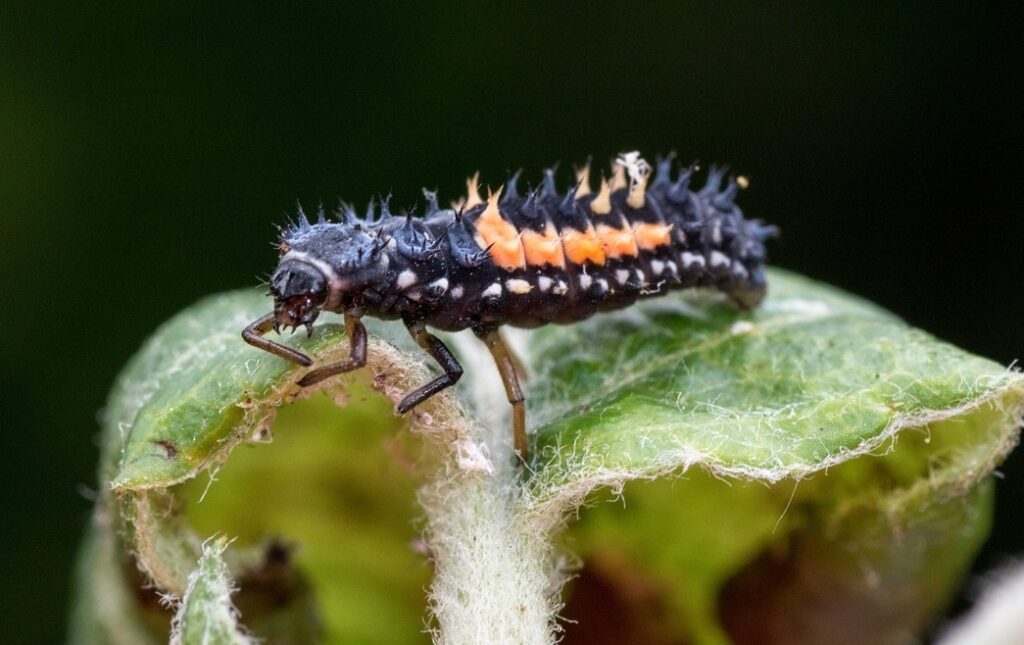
{"points": [[300, 290], [325, 266]]}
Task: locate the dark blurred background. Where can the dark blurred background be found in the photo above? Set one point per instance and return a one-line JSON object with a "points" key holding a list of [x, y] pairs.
{"points": [[147, 151]]}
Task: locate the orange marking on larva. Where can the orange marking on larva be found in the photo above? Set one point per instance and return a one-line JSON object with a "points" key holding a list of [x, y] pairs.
{"points": [[617, 242], [495, 232], [582, 246], [651, 236], [543, 248], [508, 254]]}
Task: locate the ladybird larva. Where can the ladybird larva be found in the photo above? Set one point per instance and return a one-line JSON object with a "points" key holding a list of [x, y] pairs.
{"points": [[514, 259]]}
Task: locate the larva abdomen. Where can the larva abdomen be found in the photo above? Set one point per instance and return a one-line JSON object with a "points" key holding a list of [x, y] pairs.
{"points": [[561, 258]]}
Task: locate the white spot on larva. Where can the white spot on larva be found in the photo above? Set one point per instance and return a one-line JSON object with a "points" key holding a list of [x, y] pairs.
{"points": [[492, 291], [544, 283], [518, 286], [741, 327], [658, 267], [406, 279], [621, 275], [692, 259], [561, 288], [602, 284], [457, 291], [585, 281], [719, 259], [441, 284], [739, 270], [413, 295], [640, 277], [672, 266], [716, 234]]}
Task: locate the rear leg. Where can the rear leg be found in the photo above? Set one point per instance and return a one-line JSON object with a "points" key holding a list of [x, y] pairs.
{"points": [[507, 363], [517, 362]]}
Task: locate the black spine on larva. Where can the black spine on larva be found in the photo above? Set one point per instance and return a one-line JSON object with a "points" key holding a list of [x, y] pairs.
{"points": [[440, 268]]}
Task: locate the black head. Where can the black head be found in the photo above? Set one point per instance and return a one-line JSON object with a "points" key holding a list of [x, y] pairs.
{"points": [[326, 265], [300, 290]]}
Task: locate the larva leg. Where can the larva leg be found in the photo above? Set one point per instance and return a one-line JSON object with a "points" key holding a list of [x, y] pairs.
{"points": [[444, 357], [506, 363], [516, 361], [253, 334], [356, 355]]}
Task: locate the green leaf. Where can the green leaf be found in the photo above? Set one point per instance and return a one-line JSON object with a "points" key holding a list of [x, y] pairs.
{"points": [[297, 499], [810, 379], [831, 440], [813, 383]]}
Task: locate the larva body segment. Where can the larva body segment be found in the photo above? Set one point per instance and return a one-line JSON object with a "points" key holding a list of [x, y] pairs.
{"points": [[519, 259]]}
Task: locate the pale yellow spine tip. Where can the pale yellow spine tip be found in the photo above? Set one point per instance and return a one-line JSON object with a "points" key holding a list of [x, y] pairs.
{"points": [[583, 181], [618, 177], [637, 193], [742, 182], [493, 196], [602, 204], [473, 190]]}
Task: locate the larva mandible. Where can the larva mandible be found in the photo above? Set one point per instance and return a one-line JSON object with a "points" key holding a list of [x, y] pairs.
{"points": [[512, 259]]}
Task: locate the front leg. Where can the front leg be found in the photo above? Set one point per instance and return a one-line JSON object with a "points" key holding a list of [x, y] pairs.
{"points": [[253, 334], [356, 354], [444, 357]]}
